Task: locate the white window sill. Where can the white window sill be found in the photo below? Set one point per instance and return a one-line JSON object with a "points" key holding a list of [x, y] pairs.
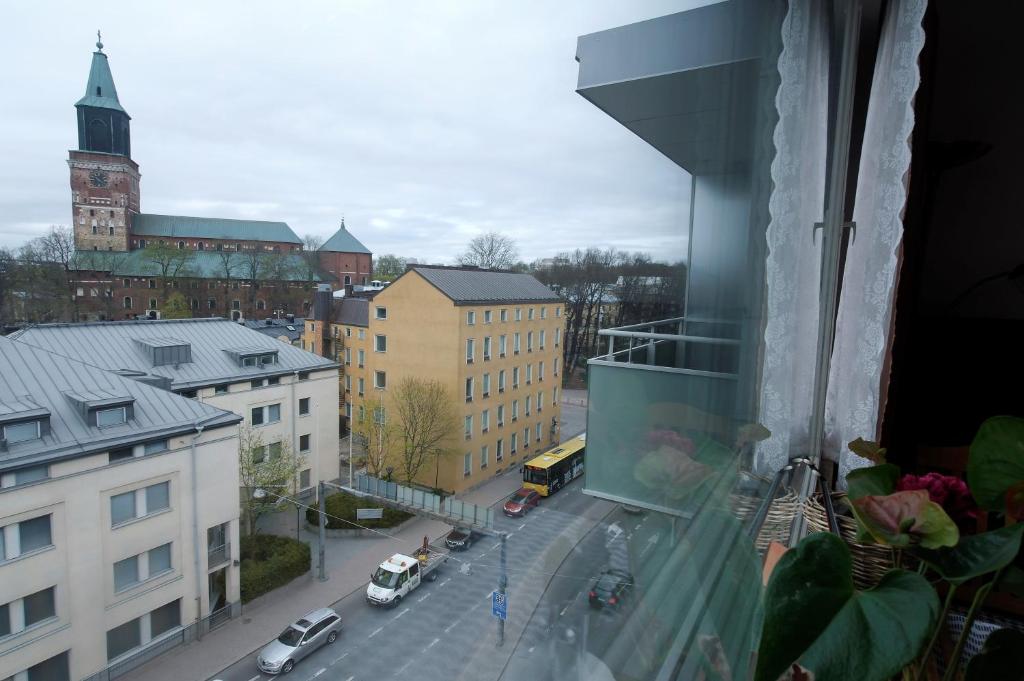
{"points": [[134, 585], [22, 556], [140, 518]]}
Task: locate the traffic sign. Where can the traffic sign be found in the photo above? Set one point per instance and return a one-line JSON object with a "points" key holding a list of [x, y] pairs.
{"points": [[499, 606]]}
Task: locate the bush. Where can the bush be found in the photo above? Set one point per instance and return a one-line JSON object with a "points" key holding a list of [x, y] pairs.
{"points": [[344, 505], [269, 561]]}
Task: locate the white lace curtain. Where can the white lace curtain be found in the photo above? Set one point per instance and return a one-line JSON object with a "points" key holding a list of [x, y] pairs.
{"points": [[794, 258]]}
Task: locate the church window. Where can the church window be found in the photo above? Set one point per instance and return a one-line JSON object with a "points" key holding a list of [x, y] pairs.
{"points": [[152, 283], [220, 247], [111, 213], [202, 246], [238, 247], [195, 304], [236, 304], [95, 230], [181, 245], [111, 230], [348, 280], [92, 212], [260, 305], [127, 283], [142, 243], [211, 303], [152, 303], [127, 302]]}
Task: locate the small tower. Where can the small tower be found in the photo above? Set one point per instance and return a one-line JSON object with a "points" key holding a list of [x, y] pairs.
{"points": [[344, 259], [104, 178]]}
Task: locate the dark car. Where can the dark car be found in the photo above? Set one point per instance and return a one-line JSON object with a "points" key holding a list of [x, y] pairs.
{"points": [[521, 502], [610, 588], [461, 538]]}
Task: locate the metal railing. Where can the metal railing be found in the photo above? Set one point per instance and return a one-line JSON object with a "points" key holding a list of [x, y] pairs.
{"points": [[216, 555], [449, 508], [169, 641]]}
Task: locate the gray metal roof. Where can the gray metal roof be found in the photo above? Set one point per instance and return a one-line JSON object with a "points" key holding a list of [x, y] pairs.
{"points": [[343, 242], [112, 346], [471, 286], [174, 226], [352, 311], [275, 328], [31, 377]]}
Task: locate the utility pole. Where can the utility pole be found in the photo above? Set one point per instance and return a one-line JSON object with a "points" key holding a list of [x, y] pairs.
{"points": [[502, 585], [351, 436], [323, 529]]}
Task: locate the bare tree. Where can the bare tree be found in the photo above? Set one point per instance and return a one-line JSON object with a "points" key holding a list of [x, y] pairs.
{"points": [[310, 269], [492, 250], [378, 431], [427, 424], [272, 467], [171, 262]]}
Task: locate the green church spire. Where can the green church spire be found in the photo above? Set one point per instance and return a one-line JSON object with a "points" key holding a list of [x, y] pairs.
{"points": [[100, 91]]}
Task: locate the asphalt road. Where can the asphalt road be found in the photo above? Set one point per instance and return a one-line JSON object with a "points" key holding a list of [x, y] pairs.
{"points": [[445, 629]]}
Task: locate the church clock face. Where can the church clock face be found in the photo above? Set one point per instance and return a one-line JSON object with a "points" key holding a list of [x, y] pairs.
{"points": [[98, 178]]}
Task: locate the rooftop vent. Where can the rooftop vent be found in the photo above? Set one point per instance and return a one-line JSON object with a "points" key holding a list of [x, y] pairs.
{"points": [[165, 351]]}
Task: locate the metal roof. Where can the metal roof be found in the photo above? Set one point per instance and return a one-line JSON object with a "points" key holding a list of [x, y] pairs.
{"points": [[275, 328], [352, 311], [470, 286], [112, 346], [100, 91], [175, 226], [343, 242], [201, 265], [32, 376]]}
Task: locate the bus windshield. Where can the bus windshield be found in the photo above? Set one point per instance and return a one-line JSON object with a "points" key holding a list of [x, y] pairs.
{"points": [[538, 476]]}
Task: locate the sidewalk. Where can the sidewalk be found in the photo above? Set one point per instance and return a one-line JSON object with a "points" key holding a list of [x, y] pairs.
{"points": [[348, 562]]}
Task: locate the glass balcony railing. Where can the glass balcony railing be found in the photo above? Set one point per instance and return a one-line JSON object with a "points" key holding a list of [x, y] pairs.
{"points": [[216, 555]]}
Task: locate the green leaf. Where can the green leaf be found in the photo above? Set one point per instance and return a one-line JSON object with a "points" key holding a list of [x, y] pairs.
{"points": [[872, 481], [996, 462], [975, 554], [1002, 657], [904, 519], [815, 616], [868, 450], [1012, 580]]}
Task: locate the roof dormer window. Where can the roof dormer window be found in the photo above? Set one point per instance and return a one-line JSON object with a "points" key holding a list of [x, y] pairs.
{"points": [[111, 417], [22, 432]]}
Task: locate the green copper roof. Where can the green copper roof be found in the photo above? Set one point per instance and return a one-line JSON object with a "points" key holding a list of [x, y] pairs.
{"points": [[100, 91], [344, 242], [200, 265], [174, 226]]}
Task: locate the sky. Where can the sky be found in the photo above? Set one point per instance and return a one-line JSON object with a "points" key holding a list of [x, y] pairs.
{"points": [[423, 124]]}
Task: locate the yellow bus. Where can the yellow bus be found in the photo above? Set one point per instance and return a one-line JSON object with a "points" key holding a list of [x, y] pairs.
{"points": [[552, 470]]}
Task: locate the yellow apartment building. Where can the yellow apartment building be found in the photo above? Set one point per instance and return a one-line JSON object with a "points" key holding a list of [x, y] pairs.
{"points": [[493, 338]]}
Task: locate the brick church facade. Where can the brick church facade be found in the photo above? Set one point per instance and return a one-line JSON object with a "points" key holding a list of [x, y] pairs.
{"points": [[128, 263]]}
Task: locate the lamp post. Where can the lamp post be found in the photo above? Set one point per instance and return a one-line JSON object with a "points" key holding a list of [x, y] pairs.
{"points": [[321, 499]]}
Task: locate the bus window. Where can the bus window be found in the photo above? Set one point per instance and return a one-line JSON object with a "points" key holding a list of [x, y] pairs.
{"points": [[537, 476]]}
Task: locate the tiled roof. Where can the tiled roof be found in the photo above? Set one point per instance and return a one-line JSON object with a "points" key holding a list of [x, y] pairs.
{"points": [[180, 226], [53, 380], [343, 242], [470, 286], [111, 345], [201, 264]]}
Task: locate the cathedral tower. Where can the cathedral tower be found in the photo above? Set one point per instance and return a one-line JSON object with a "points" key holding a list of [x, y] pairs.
{"points": [[104, 178]]}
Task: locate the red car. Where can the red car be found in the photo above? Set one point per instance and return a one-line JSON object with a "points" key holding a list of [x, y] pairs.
{"points": [[521, 502]]}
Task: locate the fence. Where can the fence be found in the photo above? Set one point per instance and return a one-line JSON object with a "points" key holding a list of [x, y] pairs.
{"points": [[412, 499], [186, 634]]}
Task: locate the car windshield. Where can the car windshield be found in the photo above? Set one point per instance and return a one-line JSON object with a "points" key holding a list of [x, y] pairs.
{"points": [[518, 498], [385, 578], [290, 637], [606, 583], [458, 533]]}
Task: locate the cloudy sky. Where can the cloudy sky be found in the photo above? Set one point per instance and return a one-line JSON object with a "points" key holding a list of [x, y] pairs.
{"points": [[422, 123]]}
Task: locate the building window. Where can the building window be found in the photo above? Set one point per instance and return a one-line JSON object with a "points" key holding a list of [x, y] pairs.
{"points": [[487, 348], [362, 334], [380, 380], [264, 415], [348, 332], [485, 421], [348, 279], [558, 337], [483, 456], [154, 447], [537, 434], [558, 312], [501, 415], [152, 304], [540, 401], [471, 317], [487, 385], [501, 381], [304, 443], [515, 410], [529, 341], [380, 343], [23, 476], [152, 283], [348, 382], [362, 358], [362, 413], [487, 316], [543, 313], [303, 406], [502, 345], [529, 374], [127, 302], [468, 426], [260, 305], [382, 313], [348, 357], [211, 304], [470, 350], [526, 436], [304, 477], [554, 395], [303, 375], [467, 464], [181, 245], [529, 314], [541, 339], [362, 385], [469, 389], [515, 377], [25, 537], [136, 569], [142, 630], [540, 371], [503, 315], [22, 613], [380, 416], [555, 368], [499, 450], [139, 503], [111, 417], [22, 432], [528, 400], [236, 305], [512, 445], [519, 314], [515, 343]]}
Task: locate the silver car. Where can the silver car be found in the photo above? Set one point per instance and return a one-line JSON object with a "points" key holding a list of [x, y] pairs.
{"points": [[299, 640]]}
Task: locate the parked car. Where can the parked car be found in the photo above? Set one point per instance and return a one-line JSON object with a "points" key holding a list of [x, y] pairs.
{"points": [[521, 502], [611, 587], [298, 640], [461, 538]]}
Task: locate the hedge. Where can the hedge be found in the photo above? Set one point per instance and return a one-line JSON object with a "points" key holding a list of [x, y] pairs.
{"points": [[344, 505], [269, 561]]}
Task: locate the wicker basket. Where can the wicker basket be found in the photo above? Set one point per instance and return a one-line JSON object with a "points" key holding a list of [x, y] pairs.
{"points": [[870, 561], [777, 523]]}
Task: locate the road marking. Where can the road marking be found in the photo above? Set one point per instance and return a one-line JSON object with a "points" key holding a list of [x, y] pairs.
{"points": [[404, 667], [255, 678], [400, 614], [489, 596], [561, 614], [450, 626], [474, 607], [350, 678], [375, 632], [531, 649], [445, 581], [423, 597], [322, 670], [432, 644], [522, 526], [340, 658], [637, 526]]}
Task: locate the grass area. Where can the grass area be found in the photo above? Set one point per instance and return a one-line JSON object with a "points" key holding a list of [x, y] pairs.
{"points": [[344, 505], [269, 562]]}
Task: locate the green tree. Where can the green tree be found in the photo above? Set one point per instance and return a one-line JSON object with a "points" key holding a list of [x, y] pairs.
{"points": [[271, 467], [389, 267], [172, 263], [175, 307]]}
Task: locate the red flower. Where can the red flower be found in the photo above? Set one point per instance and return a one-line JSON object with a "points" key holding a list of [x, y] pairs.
{"points": [[947, 491]]}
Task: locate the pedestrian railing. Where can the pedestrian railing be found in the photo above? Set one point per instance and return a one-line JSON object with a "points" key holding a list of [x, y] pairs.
{"points": [[411, 499]]}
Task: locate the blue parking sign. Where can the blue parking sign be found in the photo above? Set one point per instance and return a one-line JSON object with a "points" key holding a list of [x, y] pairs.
{"points": [[499, 605]]}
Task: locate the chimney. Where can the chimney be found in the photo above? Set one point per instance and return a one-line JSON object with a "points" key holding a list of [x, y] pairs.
{"points": [[290, 318], [322, 299], [348, 290]]}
